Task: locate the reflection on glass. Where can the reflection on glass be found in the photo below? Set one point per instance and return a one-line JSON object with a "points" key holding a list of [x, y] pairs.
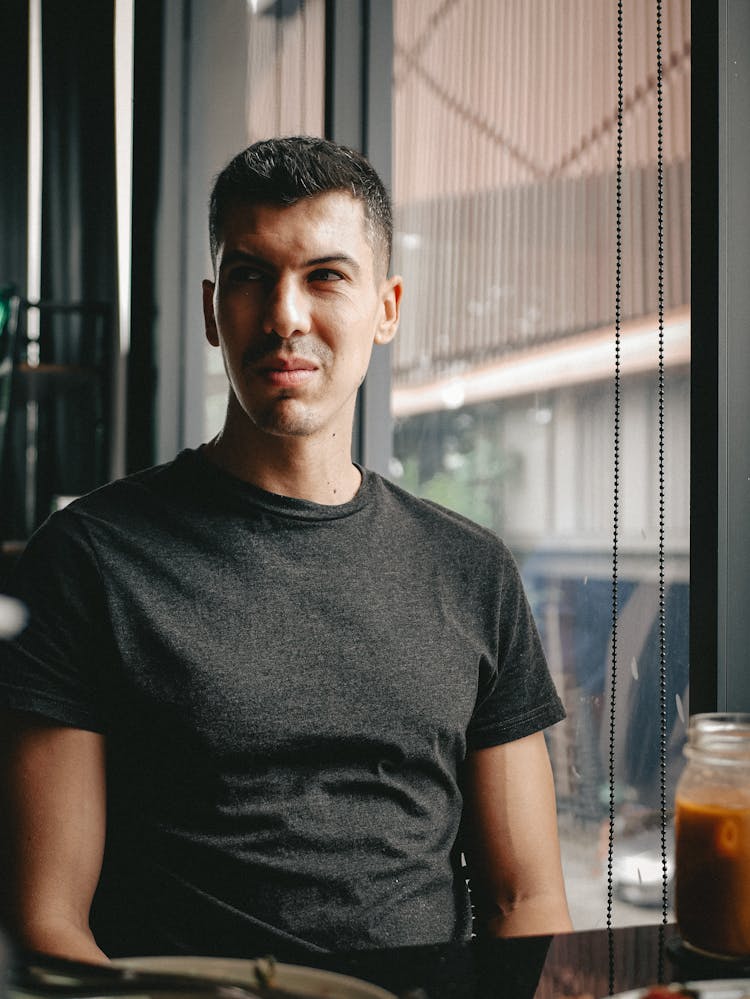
{"points": [[504, 190]]}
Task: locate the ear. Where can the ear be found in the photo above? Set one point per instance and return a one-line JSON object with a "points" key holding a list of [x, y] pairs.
{"points": [[212, 334], [390, 294]]}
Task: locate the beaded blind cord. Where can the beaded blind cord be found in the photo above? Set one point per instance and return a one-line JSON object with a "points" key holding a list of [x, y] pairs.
{"points": [[616, 488], [662, 489], [662, 498]]}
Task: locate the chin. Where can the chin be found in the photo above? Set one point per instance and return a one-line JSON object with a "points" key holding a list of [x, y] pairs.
{"points": [[286, 424]]}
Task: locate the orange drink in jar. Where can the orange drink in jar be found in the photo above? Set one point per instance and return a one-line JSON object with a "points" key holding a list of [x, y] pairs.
{"points": [[712, 836]]}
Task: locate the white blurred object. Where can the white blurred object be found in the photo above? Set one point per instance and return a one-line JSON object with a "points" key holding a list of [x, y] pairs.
{"points": [[12, 617], [60, 502], [637, 868]]}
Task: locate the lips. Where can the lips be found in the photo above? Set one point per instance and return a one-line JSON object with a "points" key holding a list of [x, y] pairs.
{"points": [[285, 371]]}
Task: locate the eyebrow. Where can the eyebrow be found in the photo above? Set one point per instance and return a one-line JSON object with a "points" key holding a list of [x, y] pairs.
{"points": [[241, 256]]}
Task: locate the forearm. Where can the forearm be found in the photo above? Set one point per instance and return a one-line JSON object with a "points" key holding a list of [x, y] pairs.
{"points": [[511, 842], [52, 831]]}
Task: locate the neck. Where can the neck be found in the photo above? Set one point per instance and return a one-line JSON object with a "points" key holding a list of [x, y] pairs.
{"points": [[299, 467]]}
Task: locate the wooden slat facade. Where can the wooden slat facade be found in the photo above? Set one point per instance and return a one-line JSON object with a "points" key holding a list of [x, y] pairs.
{"points": [[504, 177]]}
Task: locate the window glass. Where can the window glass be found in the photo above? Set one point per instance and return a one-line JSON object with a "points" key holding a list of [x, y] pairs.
{"points": [[504, 190]]}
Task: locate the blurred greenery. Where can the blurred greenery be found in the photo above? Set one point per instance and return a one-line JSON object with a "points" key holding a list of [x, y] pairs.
{"points": [[457, 458]]}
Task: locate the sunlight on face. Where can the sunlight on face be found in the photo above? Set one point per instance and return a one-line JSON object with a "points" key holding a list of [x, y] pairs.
{"points": [[296, 309]]}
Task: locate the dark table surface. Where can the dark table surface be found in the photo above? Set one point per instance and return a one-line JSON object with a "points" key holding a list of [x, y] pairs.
{"points": [[586, 964]]}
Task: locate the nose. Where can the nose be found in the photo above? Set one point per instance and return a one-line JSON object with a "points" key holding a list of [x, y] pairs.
{"points": [[287, 311]]}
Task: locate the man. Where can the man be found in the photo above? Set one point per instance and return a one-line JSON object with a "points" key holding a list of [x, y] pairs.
{"points": [[266, 699]]}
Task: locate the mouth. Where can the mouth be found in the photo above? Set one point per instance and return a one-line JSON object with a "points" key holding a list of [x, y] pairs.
{"points": [[286, 371]]}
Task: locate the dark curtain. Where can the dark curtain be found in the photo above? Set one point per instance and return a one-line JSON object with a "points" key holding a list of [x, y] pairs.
{"points": [[147, 89], [14, 28], [78, 243], [13, 141], [78, 214]]}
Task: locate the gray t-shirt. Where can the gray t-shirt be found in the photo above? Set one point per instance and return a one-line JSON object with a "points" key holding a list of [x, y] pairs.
{"points": [[288, 692]]}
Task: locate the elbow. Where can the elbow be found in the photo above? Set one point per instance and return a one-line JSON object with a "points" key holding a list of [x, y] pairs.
{"points": [[59, 936], [515, 914]]}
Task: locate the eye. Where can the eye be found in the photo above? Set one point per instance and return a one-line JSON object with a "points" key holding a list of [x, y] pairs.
{"points": [[243, 274], [325, 274]]}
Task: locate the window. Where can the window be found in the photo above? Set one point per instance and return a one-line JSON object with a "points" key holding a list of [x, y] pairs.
{"points": [[504, 130]]}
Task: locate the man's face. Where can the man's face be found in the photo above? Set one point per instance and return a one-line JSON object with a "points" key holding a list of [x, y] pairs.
{"points": [[296, 307]]}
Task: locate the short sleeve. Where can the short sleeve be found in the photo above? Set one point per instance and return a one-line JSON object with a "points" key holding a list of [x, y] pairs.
{"points": [[517, 695], [53, 668]]}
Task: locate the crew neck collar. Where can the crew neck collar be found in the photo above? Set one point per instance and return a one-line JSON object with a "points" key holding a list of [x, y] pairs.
{"points": [[285, 506]]}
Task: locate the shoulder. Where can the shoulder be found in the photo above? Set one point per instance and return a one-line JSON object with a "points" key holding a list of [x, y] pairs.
{"points": [[153, 482], [471, 554], [127, 501], [437, 520], [120, 507]]}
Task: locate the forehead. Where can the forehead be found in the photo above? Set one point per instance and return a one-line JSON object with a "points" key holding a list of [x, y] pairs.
{"points": [[315, 226]]}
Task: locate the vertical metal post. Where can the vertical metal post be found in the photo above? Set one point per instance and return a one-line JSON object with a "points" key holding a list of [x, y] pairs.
{"points": [[720, 403], [124, 42], [33, 251], [170, 249], [734, 357], [359, 59], [376, 425], [344, 117], [704, 357]]}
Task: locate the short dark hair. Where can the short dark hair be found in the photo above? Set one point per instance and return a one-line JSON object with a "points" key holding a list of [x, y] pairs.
{"points": [[282, 171]]}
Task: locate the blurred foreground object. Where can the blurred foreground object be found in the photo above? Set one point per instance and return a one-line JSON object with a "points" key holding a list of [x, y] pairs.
{"points": [[712, 836], [12, 617]]}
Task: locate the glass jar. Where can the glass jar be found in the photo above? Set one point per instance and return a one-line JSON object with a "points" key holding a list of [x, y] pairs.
{"points": [[712, 836]]}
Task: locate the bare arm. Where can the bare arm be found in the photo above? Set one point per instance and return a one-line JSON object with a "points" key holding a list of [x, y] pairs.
{"points": [[52, 825], [511, 840]]}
